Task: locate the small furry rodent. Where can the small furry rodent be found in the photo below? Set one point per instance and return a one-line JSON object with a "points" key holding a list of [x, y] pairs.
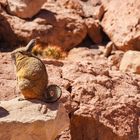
{"points": [[31, 73]]}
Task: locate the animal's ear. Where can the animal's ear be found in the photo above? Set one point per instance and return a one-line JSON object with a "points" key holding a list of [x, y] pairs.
{"points": [[30, 45]]}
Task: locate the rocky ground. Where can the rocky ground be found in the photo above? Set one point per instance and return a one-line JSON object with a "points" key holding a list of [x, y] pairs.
{"points": [[99, 78]]}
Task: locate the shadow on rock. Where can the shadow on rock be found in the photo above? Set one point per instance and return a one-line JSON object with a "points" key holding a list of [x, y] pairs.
{"points": [[51, 106], [7, 36], [3, 112], [46, 14]]}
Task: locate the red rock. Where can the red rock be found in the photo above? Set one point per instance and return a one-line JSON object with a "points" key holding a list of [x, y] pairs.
{"points": [[92, 11], [121, 24], [83, 53], [7, 78], [88, 8], [24, 8], [130, 62], [94, 30], [110, 96], [63, 29], [104, 104], [59, 23], [115, 59], [31, 120], [64, 135], [74, 5]]}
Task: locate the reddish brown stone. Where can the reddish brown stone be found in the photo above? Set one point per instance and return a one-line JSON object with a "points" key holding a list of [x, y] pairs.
{"points": [[121, 23]]}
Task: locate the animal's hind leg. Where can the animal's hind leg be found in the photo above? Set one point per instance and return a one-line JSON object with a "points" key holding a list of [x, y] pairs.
{"points": [[26, 88], [24, 84]]}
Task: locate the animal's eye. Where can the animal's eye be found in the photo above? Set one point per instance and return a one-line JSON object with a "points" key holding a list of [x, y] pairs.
{"points": [[22, 52]]}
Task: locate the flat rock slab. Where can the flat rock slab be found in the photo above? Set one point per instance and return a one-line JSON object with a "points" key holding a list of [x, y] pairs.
{"points": [[31, 120]]}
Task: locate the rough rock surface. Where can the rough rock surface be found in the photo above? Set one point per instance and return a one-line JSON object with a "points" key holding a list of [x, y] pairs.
{"points": [[91, 12], [24, 8], [105, 102], [121, 23], [94, 30], [66, 23], [54, 25], [86, 9], [32, 120], [102, 102], [57, 23], [107, 109], [7, 77], [131, 62]]}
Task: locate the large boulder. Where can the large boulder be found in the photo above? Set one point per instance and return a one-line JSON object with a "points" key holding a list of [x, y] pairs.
{"points": [[20, 120], [104, 107], [54, 26], [24, 8], [121, 23], [93, 11], [130, 62], [61, 23]]}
